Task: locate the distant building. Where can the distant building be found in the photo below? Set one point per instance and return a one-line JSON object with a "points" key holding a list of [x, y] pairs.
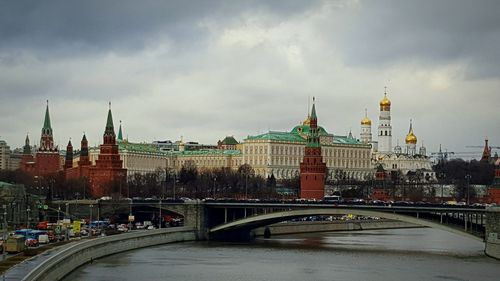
{"points": [[398, 159], [4, 155]]}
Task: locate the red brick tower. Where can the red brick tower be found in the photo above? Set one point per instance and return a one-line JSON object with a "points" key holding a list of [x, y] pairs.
{"points": [[84, 153], [486, 152], [68, 163], [84, 164], [47, 159], [312, 168], [379, 192], [108, 170], [27, 160], [494, 189]]}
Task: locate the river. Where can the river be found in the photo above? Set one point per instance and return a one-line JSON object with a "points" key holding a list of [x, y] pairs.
{"points": [[396, 254]]}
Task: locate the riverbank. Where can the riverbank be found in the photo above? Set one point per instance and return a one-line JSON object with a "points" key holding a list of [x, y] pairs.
{"points": [[59, 263], [325, 226]]}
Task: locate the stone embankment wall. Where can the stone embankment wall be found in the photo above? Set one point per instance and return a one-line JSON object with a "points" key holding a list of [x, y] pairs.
{"points": [[492, 237], [323, 226], [58, 266]]}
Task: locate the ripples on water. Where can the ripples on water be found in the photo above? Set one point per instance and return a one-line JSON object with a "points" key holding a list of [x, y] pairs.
{"points": [[404, 254]]}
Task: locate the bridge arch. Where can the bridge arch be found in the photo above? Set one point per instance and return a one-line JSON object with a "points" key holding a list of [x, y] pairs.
{"points": [[253, 222]]}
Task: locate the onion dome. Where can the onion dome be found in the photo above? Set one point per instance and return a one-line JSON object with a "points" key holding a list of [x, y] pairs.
{"points": [[411, 138], [385, 101], [366, 120]]}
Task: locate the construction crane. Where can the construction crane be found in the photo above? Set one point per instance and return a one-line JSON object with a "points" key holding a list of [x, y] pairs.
{"points": [[440, 155], [486, 154]]}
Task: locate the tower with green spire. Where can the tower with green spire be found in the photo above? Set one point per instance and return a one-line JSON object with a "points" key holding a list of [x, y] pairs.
{"points": [[312, 168], [47, 159], [120, 135], [47, 139], [108, 172]]}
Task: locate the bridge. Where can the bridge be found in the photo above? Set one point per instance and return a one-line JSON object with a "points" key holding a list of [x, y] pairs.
{"points": [[234, 220]]}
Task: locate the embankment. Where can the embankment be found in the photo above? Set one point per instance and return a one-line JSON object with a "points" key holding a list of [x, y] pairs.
{"points": [[65, 261], [324, 226]]}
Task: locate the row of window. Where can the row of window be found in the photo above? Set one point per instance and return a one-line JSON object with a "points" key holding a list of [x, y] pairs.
{"points": [[299, 150]]}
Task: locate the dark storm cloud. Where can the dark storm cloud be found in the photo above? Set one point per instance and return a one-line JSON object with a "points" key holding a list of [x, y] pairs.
{"points": [[381, 33], [66, 27]]}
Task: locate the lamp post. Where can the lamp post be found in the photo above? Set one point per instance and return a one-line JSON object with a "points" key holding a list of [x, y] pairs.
{"points": [[58, 211], [28, 210], [441, 178], [160, 219], [246, 186], [90, 219], [5, 224], [468, 177], [215, 179]]}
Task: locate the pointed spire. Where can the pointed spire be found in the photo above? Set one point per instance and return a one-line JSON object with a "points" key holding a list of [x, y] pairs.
{"points": [[120, 135], [27, 147], [84, 147], [110, 129], [313, 110], [46, 122]]}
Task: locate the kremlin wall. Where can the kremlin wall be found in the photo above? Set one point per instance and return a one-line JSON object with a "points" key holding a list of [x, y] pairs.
{"points": [[308, 151]]}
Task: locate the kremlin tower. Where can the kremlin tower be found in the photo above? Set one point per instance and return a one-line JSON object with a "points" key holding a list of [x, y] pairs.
{"points": [[411, 141], [68, 163], [47, 161], [312, 168], [27, 160], [384, 127], [108, 170]]}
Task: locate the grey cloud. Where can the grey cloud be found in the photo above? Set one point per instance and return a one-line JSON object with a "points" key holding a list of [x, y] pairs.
{"points": [[66, 27], [381, 33]]}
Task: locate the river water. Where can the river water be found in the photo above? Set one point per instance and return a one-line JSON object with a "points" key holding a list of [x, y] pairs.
{"points": [[397, 254]]}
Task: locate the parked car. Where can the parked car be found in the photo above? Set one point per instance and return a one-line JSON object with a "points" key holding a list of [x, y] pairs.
{"points": [[31, 242]]}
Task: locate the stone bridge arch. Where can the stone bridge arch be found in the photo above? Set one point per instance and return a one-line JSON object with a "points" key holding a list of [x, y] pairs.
{"points": [[242, 227]]}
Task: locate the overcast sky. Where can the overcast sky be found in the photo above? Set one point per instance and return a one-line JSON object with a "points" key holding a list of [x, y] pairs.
{"points": [[207, 69]]}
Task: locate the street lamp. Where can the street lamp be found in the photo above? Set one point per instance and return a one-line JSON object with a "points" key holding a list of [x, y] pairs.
{"points": [[441, 178], [468, 177], [90, 219], [160, 218], [215, 179], [58, 211], [28, 217], [246, 186], [5, 221]]}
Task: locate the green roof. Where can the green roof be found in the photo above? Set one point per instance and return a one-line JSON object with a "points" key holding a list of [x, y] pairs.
{"points": [[230, 140], [209, 152], [139, 147], [305, 129], [278, 136], [345, 140]]}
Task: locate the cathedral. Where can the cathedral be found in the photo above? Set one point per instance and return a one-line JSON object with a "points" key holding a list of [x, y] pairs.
{"points": [[405, 159]]}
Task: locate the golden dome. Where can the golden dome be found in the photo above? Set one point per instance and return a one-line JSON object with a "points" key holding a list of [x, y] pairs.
{"points": [[385, 101], [366, 121], [307, 122], [411, 138]]}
